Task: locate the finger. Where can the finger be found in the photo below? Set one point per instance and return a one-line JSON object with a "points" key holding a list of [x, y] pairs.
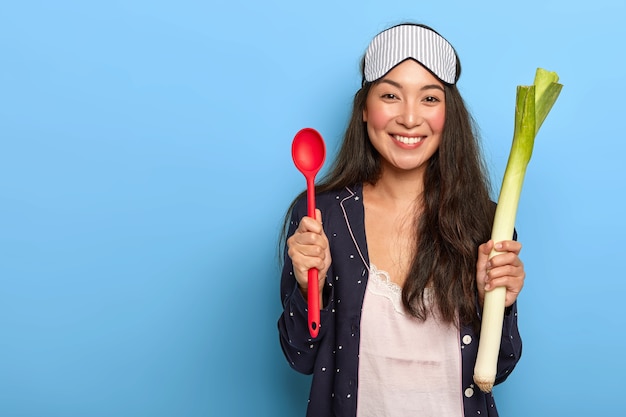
{"points": [[308, 224], [483, 255], [511, 282], [509, 246], [314, 251], [305, 237], [305, 257], [504, 258], [512, 292], [481, 268], [302, 263], [318, 215], [507, 276], [482, 262], [507, 270], [510, 298], [485, 248]]}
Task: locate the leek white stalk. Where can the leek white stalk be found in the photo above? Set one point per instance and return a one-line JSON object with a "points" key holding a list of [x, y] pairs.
{"points": [[533, 103]]}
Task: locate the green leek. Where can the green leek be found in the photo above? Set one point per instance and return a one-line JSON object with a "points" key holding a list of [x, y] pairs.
{"points": [[533, 103]]}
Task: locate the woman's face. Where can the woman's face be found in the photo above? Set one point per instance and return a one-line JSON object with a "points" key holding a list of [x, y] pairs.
{"points": [[405, 114]]}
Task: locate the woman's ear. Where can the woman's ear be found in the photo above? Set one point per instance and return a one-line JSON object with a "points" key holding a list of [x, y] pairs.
{"points": [[365, 114]]}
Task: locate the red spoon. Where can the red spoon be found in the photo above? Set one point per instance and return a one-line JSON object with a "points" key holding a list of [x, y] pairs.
{"points": [[308, 152]]}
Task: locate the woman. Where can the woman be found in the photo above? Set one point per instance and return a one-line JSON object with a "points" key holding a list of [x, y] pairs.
{"points": [[401, 242]]}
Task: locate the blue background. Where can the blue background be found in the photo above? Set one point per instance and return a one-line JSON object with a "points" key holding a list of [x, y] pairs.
{"points": [[145, 169]]}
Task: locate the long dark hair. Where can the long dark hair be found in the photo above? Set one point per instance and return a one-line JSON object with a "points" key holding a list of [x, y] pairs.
{"points": [[456, 213]]}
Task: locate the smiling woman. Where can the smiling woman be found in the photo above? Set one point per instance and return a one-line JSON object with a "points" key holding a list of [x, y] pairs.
{"points": [[408, 106], [402, 249], [145, 170]]}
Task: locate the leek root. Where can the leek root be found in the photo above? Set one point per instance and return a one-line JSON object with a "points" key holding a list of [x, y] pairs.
{"points": [[533, 103]]}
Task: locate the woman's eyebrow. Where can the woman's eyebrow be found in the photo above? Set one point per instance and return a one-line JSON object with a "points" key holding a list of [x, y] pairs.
{"points": [[391, 82], [431, 86], [423, 88]]}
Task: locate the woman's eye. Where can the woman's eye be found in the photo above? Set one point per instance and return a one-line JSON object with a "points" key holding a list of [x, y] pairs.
{"points": [[432, 100], [389, 96]]}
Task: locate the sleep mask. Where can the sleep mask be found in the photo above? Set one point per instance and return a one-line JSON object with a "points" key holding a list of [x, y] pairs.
{"points": [[399, 43]]}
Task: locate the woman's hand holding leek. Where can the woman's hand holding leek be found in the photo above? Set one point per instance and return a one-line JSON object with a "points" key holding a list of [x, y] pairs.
{"points": [[503, 270]]}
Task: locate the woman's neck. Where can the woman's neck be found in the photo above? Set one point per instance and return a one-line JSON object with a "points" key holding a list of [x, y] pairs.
{"points": [[400, 189]]}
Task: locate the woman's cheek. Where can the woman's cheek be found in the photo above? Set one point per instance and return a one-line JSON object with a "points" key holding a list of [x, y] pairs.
{"points": [[378, 117], [438, 120]]}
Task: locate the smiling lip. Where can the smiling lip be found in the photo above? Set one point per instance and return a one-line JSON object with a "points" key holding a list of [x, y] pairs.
{"points": [[409, 140]]}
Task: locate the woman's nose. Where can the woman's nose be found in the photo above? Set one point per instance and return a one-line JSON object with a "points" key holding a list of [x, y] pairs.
{"points": [[410, 116]]}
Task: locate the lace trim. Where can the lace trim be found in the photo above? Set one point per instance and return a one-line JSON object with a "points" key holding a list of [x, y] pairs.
{"points": [[380, 284]]}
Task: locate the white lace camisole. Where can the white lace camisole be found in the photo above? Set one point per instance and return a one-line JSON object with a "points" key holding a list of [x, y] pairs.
{"points": [[407, 367]]}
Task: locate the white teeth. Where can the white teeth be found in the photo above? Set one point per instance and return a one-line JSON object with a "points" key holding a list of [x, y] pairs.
{"points": [[408, 141]]}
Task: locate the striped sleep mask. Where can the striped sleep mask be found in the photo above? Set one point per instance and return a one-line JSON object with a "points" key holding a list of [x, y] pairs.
{"points": [[396, 44]]}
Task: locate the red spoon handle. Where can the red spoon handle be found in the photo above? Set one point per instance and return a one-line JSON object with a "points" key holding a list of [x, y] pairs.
{"points": [[313, 299], [313, 295]]}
